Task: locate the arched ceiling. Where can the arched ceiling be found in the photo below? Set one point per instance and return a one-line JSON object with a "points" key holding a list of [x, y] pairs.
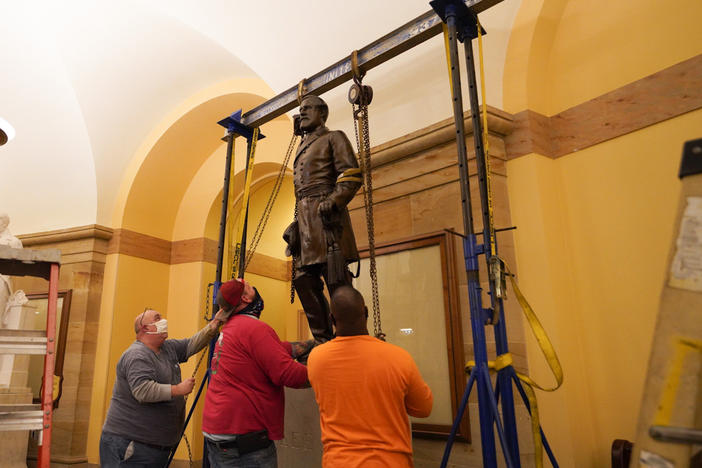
{"points": [[86, 82]]}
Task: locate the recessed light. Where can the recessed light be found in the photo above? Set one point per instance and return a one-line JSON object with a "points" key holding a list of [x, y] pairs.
{"points": [[7, 131]]}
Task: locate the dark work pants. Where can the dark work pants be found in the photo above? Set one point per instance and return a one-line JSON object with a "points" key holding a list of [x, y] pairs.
{"points": [[116, 451]]}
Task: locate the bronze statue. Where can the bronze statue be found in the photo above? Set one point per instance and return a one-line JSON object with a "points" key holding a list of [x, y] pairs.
{"points": [[320, 239]]}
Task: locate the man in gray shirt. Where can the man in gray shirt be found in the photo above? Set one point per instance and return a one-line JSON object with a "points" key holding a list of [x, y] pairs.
{"points": [[148, 407]]}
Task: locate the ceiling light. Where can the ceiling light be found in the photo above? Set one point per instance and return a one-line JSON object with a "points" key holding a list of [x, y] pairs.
{"points": [[7, 131]]}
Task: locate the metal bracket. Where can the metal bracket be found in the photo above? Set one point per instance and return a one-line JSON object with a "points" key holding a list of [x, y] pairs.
{"points": [[233, 125], [466, 18]]}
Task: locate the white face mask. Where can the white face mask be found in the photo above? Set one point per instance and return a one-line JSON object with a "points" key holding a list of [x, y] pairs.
{"points": [[161, 327]]}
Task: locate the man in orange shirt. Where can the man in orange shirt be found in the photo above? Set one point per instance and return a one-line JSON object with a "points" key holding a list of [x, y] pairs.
{"points": [[365, 388]]}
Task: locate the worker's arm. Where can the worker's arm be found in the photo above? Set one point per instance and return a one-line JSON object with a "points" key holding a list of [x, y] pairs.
{"points": [[419, 398], [141, 377], [202, 338], [151, 391], [275, 359]]}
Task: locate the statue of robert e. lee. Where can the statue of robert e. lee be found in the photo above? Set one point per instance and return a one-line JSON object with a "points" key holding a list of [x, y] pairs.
{"points": [[326, 178]]}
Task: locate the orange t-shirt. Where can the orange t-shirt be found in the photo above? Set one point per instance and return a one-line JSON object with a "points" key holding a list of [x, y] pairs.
{"points": [[365, 388]]}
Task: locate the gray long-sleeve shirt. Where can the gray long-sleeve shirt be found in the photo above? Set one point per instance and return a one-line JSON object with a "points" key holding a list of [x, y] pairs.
{"points": [[142, 407]]}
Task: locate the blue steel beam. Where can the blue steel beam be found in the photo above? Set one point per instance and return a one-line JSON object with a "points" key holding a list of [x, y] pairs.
{"points": [[380, 51]]}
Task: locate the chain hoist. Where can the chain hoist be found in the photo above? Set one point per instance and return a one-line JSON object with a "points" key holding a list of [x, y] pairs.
{"points": [[360, 96]]}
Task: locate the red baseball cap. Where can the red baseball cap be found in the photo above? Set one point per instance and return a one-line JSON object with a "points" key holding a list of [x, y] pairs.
{"points": [[231, 291]]}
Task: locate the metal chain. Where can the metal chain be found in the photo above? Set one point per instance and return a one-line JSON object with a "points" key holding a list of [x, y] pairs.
{"points": [[366, 169], [210, 287], [197, 366], [292, 265], [269, 205], [251, 152], [254, 243]]}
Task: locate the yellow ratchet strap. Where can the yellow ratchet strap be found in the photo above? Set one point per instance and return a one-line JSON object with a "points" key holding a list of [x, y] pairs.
{"points": [[683, 346], [549, 353], [350, 175], [486, 143], [448, 56], [245, 199]]}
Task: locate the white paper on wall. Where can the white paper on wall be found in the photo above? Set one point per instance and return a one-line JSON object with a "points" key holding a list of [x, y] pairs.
{"points": [[686, 269]]}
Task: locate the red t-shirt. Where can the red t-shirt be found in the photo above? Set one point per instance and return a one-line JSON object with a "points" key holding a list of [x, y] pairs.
{"points": [[365, 389], [250, 367]]}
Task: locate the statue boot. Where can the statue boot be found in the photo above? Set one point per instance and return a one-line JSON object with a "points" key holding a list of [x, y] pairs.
{"points": [[311, 293]]}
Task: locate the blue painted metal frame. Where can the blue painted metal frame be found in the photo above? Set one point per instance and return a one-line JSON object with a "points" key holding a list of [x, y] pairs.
{"points": [[462, 26], [234, 128], [460, 16]]}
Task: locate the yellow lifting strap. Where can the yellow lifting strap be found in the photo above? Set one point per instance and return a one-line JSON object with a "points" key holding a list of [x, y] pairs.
{"points": [[448, 56], [549, 353], [244, 205], [486, 143], [683, 346]]}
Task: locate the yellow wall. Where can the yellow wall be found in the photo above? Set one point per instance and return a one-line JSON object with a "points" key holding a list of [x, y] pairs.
{"points": [[594, 226], [276, 293], [564, 52], [601, 45], [592, 242], [130, 285], [186, 298]]}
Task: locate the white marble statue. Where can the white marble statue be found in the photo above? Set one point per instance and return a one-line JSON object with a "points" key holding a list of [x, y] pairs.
{"points": [[6, 237], [11, 302], [7, 296]]}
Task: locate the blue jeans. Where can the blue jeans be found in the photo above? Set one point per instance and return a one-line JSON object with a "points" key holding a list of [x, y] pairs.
{"points": [[116, 451], [229, 457]]}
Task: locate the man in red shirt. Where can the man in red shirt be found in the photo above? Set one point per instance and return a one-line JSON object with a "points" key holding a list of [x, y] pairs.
{"points": [[365, 388], [245, 401]]}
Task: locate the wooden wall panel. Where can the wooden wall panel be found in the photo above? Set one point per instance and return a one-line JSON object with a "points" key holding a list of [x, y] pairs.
{"points": [[658, 97]]}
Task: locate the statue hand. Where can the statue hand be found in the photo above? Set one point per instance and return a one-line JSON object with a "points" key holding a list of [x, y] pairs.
{"points": [[326, 208]]}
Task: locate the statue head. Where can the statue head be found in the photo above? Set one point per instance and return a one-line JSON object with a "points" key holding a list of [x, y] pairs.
{"points": [[313, 112], [4, 221]]}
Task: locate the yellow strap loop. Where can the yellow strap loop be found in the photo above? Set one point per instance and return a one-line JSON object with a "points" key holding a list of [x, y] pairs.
{"points": [[301, 90], [549, 353], [350, 172], [350, 179], [545, 344], [355, 69]]}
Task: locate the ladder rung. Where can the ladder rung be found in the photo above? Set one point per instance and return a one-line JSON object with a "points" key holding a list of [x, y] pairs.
{"points": [[22, 341], [10, 408], [21, 420]]}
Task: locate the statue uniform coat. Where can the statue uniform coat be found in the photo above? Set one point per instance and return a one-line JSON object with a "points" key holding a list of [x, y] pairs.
{"points": [[322, 160]]}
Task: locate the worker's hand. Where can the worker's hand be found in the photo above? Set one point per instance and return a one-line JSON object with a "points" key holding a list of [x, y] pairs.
{"points": [[300, 349], [220, 317], [326, 207], [183, 388]]}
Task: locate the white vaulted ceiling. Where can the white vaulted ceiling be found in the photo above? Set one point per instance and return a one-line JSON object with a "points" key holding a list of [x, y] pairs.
{"points": [[84, 82]]}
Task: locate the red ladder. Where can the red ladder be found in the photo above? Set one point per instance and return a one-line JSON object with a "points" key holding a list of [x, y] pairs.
{"points": [[42, 264]]}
